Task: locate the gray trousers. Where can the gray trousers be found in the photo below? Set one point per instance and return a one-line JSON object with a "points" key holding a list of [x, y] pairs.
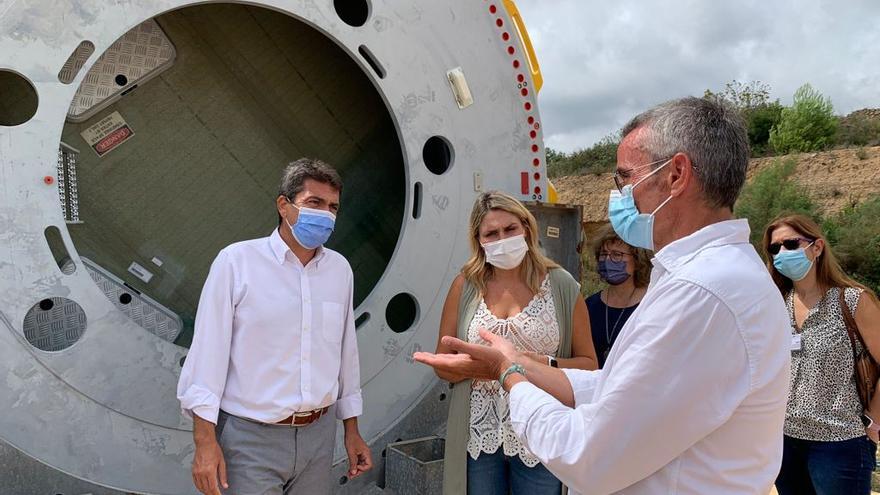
{"points": [[266, 459]]}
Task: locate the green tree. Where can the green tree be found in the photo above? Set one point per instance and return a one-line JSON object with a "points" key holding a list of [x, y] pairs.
{"points": [[808, 125], [855, 235], [598, 158], [752, 99], [771, 193]]}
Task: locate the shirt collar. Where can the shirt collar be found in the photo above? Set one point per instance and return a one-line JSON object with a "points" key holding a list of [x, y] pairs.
{"points": [[281, 250], [681, 251]]}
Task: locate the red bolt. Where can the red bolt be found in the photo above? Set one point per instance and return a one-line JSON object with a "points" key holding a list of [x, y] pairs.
{"points": [[525, 92], [528, 106], [534, 148], [499, 22], [510, 50], [492, 9], [520, 77], [531, 120], [516, 64], [505, 36], [536, 162], [49, 180], [533, 134], [537, 176], [537, 190]]}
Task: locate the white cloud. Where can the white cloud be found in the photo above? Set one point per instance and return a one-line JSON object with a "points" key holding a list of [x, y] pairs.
{"points": [[603, 62]]}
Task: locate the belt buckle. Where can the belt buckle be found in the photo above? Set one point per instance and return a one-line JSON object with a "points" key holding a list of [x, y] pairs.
{"points": [[300, 415]]}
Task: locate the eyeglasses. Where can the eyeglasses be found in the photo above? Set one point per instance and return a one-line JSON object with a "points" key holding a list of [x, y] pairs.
{"points": [[622, 176], [616, 256], [788, 244]]}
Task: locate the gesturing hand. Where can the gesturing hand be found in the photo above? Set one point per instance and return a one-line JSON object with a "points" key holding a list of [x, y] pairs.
{"points": [[476, 361]]}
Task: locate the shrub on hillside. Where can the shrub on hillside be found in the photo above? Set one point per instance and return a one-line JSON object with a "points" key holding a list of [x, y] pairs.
{"points": [[858, 130], [855, 235], [760, 120], [808, 125], [599, 158], [769, 194]]}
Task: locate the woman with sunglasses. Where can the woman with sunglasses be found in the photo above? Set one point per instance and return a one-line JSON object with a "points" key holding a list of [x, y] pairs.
{"points": [[626, 270], [830, 439]]}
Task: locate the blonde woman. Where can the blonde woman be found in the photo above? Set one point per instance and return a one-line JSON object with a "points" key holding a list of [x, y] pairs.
{"points": [[511, 289], [830, 438]]}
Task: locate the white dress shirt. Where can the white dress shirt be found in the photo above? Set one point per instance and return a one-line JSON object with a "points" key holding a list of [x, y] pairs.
{"points": [[273, 337], [692, 397]]}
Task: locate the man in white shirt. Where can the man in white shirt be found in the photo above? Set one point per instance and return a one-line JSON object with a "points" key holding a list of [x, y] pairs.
{"points": [[274, 359], [692, 397]]}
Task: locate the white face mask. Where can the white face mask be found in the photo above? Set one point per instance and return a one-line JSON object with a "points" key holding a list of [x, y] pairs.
{"points": [[506, 254]]}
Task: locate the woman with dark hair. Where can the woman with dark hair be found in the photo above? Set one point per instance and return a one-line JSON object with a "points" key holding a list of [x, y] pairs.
{"points": [[830, 436], [626, 270]]}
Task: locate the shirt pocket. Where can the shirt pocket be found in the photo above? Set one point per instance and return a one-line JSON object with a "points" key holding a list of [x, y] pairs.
{"points": [[333, 322]]}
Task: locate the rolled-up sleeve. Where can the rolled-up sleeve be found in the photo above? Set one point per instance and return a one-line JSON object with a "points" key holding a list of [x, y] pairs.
{"points": [[203, 376], [583, 384], [681, 375], [349, 403]]}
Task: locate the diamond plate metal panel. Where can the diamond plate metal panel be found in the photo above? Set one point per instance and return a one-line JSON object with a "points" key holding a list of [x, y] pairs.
{"points": [[137, 56], [146, 312], [76, 61], [54, 324]]}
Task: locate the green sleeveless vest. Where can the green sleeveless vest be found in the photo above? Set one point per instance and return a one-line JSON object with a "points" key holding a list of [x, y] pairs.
{"points": [[565, 293]]}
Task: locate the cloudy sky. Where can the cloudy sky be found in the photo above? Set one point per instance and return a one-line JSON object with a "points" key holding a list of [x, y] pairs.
{"points": [[603, 62]]}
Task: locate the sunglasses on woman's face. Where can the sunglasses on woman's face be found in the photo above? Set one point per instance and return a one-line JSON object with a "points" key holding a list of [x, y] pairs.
{"points": [[788, 244]]}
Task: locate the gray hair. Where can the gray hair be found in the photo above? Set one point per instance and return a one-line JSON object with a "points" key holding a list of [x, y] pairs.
{"points": [[711, 133], [295, 174]]}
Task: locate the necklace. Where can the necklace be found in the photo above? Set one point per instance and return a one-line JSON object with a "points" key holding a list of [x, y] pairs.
{"points": [[609, 335]]}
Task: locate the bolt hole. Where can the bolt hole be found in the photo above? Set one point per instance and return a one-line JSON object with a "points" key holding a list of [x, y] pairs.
{"points": [[125, 298], [442, 397], [47, 304], [121, 80]]}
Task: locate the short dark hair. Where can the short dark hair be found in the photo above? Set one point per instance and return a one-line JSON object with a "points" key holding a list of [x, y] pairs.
{"points": [[294, 176], [710, 132]]}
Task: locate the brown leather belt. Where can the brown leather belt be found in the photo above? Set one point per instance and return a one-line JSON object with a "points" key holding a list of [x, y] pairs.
{"points": [[303, 418]]}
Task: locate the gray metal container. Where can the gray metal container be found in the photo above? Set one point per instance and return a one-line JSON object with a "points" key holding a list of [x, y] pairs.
{"points": [[415, 466]]}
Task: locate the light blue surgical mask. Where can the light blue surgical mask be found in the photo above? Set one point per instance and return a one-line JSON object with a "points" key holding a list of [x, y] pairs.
{"points": [[794, 264], [313, 227], [633, 227]]}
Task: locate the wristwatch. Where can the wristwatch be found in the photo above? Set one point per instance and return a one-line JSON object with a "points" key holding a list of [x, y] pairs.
{"points": [[552, 362]]}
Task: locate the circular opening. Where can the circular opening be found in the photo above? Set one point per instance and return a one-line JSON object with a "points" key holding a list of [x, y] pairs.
{"points": [[352, 12], [343, 480], [18, 99], [185, 146], [442, 397], [402, 312], [54, 324], [120, 80], [437, 155], [125, 298]]}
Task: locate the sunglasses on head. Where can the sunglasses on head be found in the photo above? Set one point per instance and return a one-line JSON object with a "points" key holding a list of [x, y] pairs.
{"points": [[788, 244]]}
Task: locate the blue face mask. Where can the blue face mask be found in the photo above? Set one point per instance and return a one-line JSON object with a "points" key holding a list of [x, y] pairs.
{"points": [[613, 272], [313, 227], [793, 264], [634, 228]]}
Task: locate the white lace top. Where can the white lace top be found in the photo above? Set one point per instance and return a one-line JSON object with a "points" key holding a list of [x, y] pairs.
{"points": [[534, 329]]}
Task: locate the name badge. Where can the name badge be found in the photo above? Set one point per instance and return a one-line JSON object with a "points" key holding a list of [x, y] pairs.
{"points": [[795, 341]]}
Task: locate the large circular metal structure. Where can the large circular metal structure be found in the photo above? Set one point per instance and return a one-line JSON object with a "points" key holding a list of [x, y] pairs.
{"points": [[421, 104]]}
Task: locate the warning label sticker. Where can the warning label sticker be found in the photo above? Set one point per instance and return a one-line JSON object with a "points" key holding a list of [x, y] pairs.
{"points": [[107, 134]]}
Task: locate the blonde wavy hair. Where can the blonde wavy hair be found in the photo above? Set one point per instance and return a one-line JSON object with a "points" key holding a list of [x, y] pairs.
{"points": [[535, 264]]}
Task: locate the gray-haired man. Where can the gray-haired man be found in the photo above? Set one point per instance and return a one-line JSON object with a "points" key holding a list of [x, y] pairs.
{"points": [[692, 397], [274, 359]]}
